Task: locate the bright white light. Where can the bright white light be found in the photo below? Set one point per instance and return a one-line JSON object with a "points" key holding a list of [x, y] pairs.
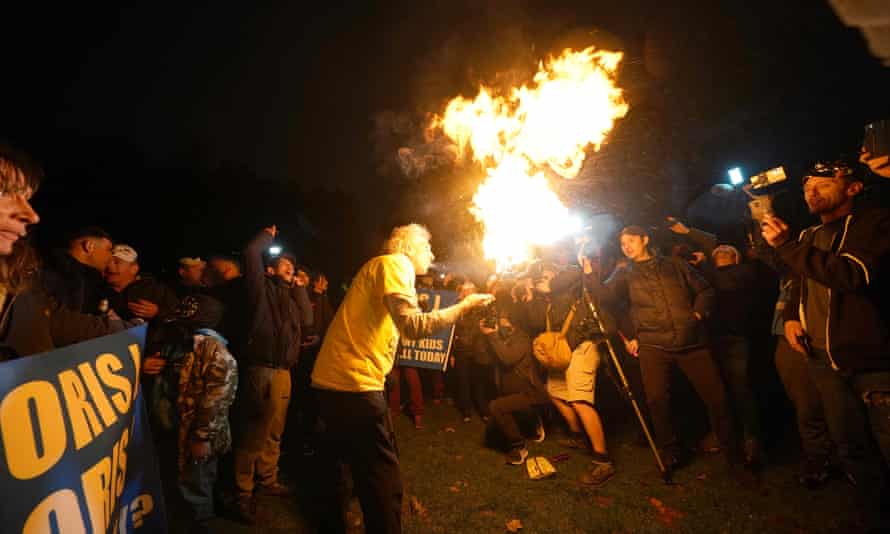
{"points": [[576, 224], [735, 176], [274, 250]]}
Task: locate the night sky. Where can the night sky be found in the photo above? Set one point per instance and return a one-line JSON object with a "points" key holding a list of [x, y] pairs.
{"points": [[183, 130]]}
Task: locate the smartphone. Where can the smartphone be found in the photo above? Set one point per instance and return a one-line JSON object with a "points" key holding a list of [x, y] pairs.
{"points": [[877, 138]]}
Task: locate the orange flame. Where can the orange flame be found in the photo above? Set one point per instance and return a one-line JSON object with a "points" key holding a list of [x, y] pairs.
{"points": [[572, 105]]}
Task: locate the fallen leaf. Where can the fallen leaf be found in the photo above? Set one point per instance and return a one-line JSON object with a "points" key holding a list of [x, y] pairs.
{"points": [[488, 513], [666, 514], [702, 476], [603, 501], [417, 507], [514, 525], [454, 489], [449, 429]]}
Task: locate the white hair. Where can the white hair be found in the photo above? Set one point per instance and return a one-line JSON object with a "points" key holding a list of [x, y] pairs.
{"points": [[404, 237]]}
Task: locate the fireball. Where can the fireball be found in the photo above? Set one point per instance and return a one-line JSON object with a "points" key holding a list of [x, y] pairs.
{"points": [[515, 135]]}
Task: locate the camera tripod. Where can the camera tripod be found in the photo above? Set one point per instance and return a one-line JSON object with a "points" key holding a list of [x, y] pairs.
{"points": [[623, 384]]}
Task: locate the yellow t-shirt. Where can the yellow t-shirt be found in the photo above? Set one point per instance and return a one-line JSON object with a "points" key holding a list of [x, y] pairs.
{"points": [[359, 347]]}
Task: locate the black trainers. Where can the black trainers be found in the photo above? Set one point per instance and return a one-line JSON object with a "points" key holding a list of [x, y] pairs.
{"points": [[813, 474], [517, 455]]}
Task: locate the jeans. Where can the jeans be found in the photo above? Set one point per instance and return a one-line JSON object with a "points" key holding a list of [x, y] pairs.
{"points": [[358, 432], [874, 389], [794, 371], [196, 486], [845, 415]]}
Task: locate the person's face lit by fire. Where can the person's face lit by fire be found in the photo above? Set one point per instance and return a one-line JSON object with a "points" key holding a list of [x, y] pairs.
{"points": [[634, 247], [826, 195], [119, 273], [284, 269], [725, 256], [192, 275], [321, 284], [16, 214], [421, 255], [301, 278]]}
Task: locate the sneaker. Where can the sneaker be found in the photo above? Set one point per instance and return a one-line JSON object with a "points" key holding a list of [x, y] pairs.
{"points": [[467, 419], [244, 511], [273, 490], [540, 434], [308, 449], [598, 474], [517, 455], [486, 419]]}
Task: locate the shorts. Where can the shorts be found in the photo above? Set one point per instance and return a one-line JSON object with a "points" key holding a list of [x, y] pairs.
{"points": [[578, 381]]}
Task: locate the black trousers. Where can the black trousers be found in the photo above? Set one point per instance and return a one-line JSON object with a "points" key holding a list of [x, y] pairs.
{"points": [[699, 367], [504, 410], [358, 433], [475, 385]]}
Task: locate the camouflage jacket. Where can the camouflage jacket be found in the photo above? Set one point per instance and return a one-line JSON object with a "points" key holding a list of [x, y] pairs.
{"points": [[208, 378]]}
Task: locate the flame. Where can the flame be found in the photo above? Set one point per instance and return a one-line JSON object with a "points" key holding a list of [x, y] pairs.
{"points": [[572, 105]]}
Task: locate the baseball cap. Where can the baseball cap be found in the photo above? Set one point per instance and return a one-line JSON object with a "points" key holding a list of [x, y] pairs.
{"points": [[125, 253]]}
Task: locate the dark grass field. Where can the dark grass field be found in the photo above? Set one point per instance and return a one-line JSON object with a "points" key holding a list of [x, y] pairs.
{"points": [[453, 483]]}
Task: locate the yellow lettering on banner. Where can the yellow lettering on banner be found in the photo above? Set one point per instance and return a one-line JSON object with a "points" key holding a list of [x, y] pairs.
{"points": [[84, 423], [137, 362], [63, 505], [97, 394], [106, 366], [26, 457], [122, 463], [96, 486], [141, 507]]}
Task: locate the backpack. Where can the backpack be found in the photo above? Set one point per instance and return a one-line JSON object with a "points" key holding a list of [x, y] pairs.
{"points": [[552, 349]]}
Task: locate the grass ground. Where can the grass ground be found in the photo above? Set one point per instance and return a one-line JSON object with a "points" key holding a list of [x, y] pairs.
{"points": [[453, 485]]}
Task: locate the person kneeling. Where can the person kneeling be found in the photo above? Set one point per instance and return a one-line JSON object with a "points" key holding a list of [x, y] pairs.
{"points": [[521, 386]]}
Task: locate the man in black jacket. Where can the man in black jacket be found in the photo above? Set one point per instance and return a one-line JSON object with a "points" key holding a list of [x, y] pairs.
{"points": [[668, 303], [73, 277], [276, 311], [838, 315]]}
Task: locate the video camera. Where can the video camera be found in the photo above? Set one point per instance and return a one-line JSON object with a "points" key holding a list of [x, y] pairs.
{"points": [[762, 191]]}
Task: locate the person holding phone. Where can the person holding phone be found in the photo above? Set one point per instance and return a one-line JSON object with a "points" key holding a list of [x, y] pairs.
{"points": [[837, 318]]}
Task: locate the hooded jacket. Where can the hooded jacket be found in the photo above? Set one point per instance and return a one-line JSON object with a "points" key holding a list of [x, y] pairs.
{"points": [[854, 270]]}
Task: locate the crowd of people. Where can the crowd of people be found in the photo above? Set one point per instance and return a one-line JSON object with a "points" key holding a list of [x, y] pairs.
{"points": [[232, 340]]}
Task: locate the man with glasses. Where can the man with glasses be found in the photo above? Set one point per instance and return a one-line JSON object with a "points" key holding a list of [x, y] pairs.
{"points": [[836, 317]]}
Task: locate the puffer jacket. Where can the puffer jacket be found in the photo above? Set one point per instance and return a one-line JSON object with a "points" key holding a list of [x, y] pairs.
{"points": [[662, 294]]}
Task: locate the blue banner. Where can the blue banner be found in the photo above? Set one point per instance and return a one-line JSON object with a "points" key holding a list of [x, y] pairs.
{"points": [[77, 456], [429, 352]]}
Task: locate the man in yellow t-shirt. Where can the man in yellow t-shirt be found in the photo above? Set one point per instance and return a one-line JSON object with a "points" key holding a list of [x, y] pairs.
{"points": [[358, 352]]}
